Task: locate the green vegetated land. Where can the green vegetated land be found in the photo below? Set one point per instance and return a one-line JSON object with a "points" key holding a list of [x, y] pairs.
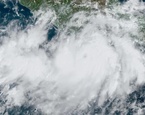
{"points": [[64, 8], [35, 4]]}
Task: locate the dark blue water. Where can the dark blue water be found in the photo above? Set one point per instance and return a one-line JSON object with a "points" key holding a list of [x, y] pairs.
{"points": [[13, 11], [122, 1], [52, 33]]}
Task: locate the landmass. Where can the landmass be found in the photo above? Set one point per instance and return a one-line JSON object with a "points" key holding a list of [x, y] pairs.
{"points": [[64, 9]]}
